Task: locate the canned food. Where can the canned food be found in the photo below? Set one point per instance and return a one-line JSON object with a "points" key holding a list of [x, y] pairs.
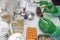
{"points": [[45, 37]]}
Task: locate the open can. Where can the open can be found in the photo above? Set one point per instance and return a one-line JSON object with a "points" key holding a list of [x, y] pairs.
{"points": [[45, 37]]}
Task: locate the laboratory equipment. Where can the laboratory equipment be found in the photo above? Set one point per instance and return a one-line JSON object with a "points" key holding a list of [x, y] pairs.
{"points": [[30, 15], [18, 24]]}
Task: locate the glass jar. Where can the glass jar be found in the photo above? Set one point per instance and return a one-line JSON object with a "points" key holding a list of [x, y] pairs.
{"points": [[18, 24], [6, 16]]}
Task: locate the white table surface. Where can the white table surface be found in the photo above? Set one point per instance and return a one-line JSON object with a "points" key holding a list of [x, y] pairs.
{"points": [[34, 22]]}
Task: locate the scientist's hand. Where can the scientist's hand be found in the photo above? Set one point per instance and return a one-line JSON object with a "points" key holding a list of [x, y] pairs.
{"points": [[48, 7], [46, 25]]}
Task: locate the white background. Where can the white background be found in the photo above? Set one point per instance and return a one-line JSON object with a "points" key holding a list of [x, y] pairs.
{"points": [[34, 22]]}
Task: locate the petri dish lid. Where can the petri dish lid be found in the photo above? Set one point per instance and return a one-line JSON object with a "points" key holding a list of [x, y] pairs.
{"points": [[16, 36]]}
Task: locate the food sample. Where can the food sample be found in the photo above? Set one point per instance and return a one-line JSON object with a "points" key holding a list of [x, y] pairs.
{"points": [[31, 33], [38, 12], [6, 17], [19, 23], [45, 37]]}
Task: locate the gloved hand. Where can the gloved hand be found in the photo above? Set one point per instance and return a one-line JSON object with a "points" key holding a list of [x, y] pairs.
{"points": [[42, 3], [49, 7], [56, 34], [46, 26]]}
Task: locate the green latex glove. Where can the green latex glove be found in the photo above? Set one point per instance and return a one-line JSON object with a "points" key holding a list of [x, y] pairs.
{"points": [[56, 34], [57, 14], [46, 3], [49, 7], [53, 10], [42, 3], [46, 26]]}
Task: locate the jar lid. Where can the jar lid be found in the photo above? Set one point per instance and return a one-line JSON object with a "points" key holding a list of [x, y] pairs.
{"points": [[16, 36]]}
